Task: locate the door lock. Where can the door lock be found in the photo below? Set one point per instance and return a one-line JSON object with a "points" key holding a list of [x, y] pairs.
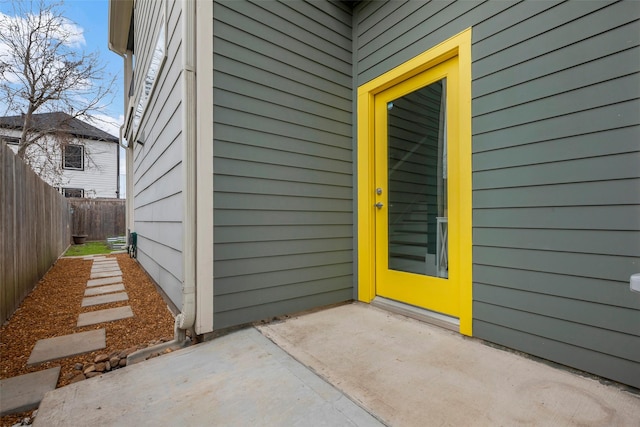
{"points": [[379, 205], [378, 191]]}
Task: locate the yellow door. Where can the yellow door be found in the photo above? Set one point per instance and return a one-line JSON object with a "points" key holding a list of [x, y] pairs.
{"points": [[414, 182], [417, 190]]}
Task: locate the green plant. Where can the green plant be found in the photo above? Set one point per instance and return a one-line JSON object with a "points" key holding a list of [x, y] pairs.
{"points": [[89, 248]]}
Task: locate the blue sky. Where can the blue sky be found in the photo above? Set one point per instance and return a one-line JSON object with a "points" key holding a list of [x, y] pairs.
{"points": [[92, 19]]}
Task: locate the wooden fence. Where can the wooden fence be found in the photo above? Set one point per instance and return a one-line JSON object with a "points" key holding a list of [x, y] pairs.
{"points": [[98, 218], [35, 229]]}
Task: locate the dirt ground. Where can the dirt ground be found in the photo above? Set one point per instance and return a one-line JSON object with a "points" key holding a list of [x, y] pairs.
{"points": [[52, 310]]}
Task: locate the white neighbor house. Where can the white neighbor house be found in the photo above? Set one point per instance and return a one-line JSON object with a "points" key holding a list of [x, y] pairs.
{"points": [[89, 162]]}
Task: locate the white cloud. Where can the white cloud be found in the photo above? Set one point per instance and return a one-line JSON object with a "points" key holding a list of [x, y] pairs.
{"points": [[107, 123], [69, 32], [73, 32]]}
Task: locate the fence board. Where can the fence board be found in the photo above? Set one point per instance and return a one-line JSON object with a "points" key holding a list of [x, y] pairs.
{"points": [[35, 229], [98, 218]]}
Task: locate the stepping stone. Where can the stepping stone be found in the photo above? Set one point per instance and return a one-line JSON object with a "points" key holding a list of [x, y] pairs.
{"points": [[25, 392], [106, 315], [67, 345], [102, 274], [103, 269], [104, 299], [104, 281], [103, 289], [94, 257], [105, 263], [95, 269]]}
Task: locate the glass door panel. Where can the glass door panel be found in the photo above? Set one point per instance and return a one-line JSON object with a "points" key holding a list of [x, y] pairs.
{"points": [[417, 182], [415, 164]]}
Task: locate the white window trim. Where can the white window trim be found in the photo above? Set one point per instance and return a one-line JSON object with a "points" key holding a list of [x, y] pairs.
{"points": [[64, 154], [146, 92]]}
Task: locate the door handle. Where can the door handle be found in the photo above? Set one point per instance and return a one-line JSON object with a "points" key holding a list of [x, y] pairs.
{"points": [[379, 205]]}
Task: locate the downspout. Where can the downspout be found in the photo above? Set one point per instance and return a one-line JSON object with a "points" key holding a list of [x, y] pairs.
{"points": [[128, 152], [185, 320], [118, 164]]}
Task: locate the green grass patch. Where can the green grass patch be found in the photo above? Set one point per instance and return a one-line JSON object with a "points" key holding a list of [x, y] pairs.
{"points": [[89, 248]]}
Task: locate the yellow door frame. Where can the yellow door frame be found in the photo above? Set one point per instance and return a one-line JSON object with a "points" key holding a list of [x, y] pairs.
{"points": [[457, 46]]}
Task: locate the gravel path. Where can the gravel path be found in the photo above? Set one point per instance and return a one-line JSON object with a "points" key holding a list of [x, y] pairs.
{"points": [[52, 310]]}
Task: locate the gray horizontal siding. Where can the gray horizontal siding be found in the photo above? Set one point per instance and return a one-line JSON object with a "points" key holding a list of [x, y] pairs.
{"points": [[556, 167], [620, 217], [573, 148], [158, 163], [282, 158], [265, 310], [556, 284], [561, 351], [622, 243]]}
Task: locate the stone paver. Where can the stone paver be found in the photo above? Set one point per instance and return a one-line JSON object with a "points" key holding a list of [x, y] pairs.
{"points": [[67, 345], [102, 274], [25, 392], [97, 290], [104, 299], [103, 269], [106, 315], [104, 281], [105, 261], [105, 264]]}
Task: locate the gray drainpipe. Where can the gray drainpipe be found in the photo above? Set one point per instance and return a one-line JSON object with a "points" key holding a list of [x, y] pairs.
{"points": [[186, 318]]}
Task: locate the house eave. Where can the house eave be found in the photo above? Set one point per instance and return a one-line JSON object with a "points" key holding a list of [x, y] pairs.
{"points": [[120, 14]]}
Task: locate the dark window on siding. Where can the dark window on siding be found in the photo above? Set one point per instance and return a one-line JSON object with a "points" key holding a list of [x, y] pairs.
{"points": [[73, 157], [73, 192], [13, 140]]}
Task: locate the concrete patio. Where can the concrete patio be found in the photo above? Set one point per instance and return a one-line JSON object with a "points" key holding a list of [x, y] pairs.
{"points": [[353, 365]]}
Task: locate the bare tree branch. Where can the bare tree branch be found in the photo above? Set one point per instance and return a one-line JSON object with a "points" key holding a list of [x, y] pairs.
{"points": [[43, 70]]}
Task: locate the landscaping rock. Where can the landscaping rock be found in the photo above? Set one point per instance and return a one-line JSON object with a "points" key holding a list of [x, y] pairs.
{"points": [[90, 368], [101, 358], [125, 353]]}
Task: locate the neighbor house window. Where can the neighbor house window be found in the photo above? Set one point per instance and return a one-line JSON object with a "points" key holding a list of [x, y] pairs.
{"points": [[12, 140], [73, 192], [73, 157]]}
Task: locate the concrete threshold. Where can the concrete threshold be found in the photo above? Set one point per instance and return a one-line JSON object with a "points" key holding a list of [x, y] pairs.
{"points": [[240, 379], [410, 373]]}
